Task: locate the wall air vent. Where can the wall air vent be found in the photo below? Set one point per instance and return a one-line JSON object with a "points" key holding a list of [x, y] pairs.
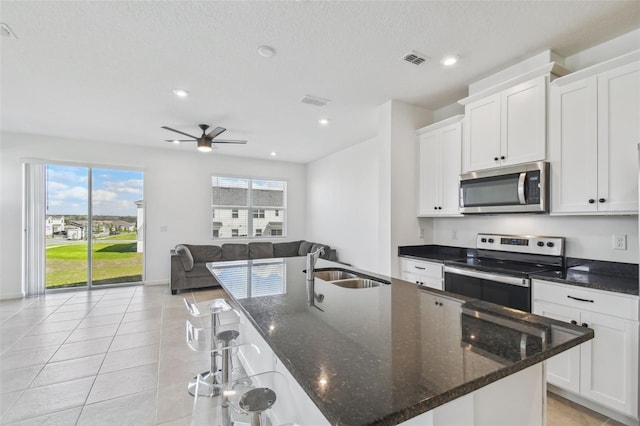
{"points": [[314, 100], [415, 58]]}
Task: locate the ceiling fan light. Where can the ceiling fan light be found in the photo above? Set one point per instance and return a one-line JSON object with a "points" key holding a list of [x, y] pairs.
{"points": [[204, 145]]}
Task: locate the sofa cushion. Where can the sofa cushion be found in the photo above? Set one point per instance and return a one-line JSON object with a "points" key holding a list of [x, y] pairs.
{"points": [[327, 249], [235, 251], [199, 270], [288, 249], [185, 256], [260, 250], [205, 253], [305, 247]]}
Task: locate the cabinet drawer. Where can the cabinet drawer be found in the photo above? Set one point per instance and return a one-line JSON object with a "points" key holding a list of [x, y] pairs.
{"points": [[622, 306], [419, 267]]}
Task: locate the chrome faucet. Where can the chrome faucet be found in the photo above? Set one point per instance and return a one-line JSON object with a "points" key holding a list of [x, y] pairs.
{"points": [[312, 258]]}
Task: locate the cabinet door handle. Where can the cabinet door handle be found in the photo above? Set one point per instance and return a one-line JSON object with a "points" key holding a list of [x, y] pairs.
{"points": [[435, 208], [601, 200], [439, 208], [495, 158], [502, 157], [580, 300], [574, 322], [422, 268], [585, 325], [591, 201]]}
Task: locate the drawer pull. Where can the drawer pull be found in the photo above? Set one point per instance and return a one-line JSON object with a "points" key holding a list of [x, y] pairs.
{"points": [[580, 300], [420, 267]]}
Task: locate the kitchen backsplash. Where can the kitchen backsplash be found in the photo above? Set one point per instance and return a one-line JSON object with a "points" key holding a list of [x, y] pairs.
{"points": [[587, 237]]}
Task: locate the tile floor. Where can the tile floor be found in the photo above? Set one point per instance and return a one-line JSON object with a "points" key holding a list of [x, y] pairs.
{"points": [[118, 357]]}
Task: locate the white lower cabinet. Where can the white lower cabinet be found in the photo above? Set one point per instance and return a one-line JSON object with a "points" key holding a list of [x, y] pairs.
{"points": [[605, 369], [422, 272]]}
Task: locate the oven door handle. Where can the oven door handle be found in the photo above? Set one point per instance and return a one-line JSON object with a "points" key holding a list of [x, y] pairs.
{"points": [[521, 181], [505, 279]]}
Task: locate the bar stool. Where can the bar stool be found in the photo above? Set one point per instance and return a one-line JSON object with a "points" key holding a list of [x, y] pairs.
{"points": [[214, 309], [258, 400]]}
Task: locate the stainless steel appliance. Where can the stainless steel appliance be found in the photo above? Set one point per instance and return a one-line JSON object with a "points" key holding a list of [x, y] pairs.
{"points": [[517, 189], [500, 272]]}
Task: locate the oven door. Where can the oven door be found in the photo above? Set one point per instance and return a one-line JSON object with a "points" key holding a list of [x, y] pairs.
{"points": [[505, 290]]}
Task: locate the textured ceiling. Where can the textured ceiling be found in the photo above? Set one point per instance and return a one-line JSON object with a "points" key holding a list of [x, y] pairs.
{"points": [[103, 71]]}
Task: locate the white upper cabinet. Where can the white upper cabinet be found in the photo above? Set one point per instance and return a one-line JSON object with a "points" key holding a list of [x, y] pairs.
{"points": [[439, 168], [506, 128], [594, 129]]}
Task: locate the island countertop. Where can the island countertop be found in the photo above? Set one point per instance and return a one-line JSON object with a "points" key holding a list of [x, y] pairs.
{"points": [[385, 354]]}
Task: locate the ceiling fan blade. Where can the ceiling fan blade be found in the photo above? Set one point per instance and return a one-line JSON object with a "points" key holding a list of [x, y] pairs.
{"points": [[215, 132], [179, 140], [228, 141], [178, 131]]}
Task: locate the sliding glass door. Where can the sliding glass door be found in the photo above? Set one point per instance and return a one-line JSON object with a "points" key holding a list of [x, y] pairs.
{"points": [[94, 222]]}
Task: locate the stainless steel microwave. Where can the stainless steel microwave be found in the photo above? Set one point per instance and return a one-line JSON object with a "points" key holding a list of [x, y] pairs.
{"points": [[516, 189]]}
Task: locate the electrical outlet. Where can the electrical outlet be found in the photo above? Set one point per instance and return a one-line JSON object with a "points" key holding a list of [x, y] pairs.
{"points": [[454, 234], [620, 242]]}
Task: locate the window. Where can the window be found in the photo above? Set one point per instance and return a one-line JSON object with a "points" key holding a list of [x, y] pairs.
{"points": [[248, 207]]}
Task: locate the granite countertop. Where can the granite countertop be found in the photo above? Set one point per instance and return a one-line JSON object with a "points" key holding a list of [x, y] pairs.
{"points": [[382, 355], [435, 253], [610, 276]]}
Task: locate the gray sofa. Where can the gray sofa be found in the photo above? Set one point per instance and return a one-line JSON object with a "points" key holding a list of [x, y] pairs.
{"points": [[188, 262]]}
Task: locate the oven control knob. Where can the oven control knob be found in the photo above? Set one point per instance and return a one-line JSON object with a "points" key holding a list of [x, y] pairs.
{"points": [[550, 244], [484, 240], [491, 240], [540, 244]]}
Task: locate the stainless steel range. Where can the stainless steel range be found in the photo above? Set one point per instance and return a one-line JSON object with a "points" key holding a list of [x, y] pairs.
{"points": [[500, 273]]}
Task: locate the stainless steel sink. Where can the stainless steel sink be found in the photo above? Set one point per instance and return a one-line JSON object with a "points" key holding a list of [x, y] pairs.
{"points": [[346, 279], [333, 275], [356, 283]]}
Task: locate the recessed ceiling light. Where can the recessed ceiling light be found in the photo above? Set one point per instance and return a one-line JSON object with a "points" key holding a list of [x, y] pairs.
{"points": [[323, 121], [266, 51], [181, 93], [448, 61], [273, 153]]}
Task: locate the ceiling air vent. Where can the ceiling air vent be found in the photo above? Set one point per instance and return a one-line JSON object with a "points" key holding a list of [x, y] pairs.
{"points": [[415, 58], [314, 100]]}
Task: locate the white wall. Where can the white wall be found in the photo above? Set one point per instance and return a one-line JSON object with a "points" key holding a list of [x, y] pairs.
{"points": [[363, 199], [342, 210], [403, 202], [587, 237], [177, 194]]}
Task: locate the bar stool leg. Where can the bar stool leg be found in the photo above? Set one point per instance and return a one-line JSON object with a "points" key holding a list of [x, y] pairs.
{"points": [[209, 378]]}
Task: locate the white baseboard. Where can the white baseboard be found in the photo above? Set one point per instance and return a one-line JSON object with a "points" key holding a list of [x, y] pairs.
{"points": [[12, 296], [157, 282]]}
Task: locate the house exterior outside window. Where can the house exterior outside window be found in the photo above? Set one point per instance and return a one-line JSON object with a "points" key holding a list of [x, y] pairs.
{"points": [[245, 207]]}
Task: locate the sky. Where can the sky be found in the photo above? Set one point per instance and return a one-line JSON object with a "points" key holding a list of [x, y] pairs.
{"points": [[114, 191]]}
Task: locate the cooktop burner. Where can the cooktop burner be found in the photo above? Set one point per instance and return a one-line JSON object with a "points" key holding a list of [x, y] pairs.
{"points": [[502, 266]]}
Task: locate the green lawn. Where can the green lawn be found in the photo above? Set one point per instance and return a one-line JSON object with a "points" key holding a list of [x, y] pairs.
{"points": [[113, 262]]}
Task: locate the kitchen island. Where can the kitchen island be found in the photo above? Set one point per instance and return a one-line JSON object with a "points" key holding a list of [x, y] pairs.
{"points": [[394, 353]]}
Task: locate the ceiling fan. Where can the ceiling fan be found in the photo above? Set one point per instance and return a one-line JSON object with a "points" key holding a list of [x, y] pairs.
{"points": [[204, 141]]}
